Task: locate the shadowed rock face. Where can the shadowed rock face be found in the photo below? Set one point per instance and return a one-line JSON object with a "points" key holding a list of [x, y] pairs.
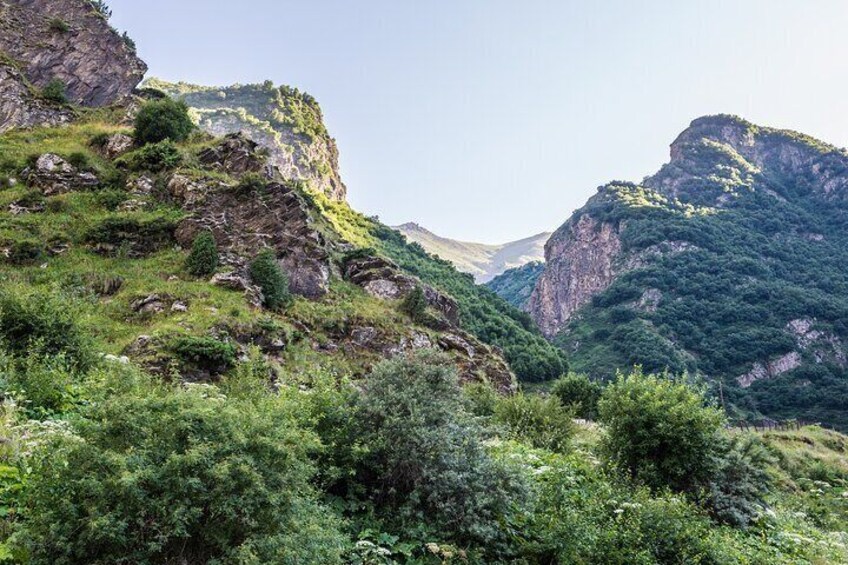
{"points": [[20, 108], [91, 58]]}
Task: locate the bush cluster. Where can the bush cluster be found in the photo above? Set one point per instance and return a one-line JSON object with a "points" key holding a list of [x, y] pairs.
{"points": [[203, 259], [266, 273], [163, 119]]}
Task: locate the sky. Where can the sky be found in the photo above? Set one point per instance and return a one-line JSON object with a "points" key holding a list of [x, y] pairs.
{"points": [[491, 120]]}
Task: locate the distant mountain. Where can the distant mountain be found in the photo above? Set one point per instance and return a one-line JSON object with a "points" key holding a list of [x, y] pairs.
{"points": [[483, 261]]}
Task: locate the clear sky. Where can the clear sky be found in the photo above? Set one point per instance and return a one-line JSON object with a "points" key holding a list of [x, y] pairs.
{"points": [[490, 120]]}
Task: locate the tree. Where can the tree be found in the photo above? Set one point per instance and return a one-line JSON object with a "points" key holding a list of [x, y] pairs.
{"points": [[414, 305], [267, 274], [163, 119], [579, 391], [203, 259], [660, 431]]}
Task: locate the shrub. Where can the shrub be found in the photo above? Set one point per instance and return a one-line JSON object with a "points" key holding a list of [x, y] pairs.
{"points": [[55, 91], [129, 42], [177, 476], [79, 160], [414, 305], [136, 236], [267, 274], [251, 183], [153, 157], [482, 399], [736, 490], [25, 252], [41, 384], [541, 421], [205, 353], [581, 392], [44, 324], [203, 259], [59, 25], [660, 431], [425, 458], [163, 119]]}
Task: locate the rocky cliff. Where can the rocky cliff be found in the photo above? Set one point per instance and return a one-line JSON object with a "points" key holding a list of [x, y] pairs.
{"points": [[711, 266], [68, 41], [286, 122]]}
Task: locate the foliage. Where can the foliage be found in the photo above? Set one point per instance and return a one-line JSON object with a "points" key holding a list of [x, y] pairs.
{"points": [[166, 475], [266, 272], [47, 325], [740, 482], [203, 259], [163, 119], [101, 8], [425, 458], [59, 25], [153, 157], [55, 91], [540, 421], [516, 285], [659, 431], [414, 305], [205, 352], [580, 392]]}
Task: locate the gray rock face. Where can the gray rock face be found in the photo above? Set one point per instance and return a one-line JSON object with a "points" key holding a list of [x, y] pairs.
{"points": [[20, 108], [53, 175], [91, 58]]}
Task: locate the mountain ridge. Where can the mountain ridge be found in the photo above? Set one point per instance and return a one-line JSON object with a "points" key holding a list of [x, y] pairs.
{"points": [[483, 261]]}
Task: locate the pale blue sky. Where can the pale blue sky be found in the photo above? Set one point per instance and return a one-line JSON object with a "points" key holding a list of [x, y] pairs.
{"points": [[491, 120]]}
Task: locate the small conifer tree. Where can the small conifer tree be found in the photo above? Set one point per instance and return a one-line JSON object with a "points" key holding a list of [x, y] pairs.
{"points": [[415, 305], [267, 274], [203, 259]]}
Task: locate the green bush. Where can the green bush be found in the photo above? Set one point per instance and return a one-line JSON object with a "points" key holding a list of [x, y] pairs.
{"points": [[660, 431], [737, 489], [205, 352], [59, 25], [203, 259], [579, 391], [482, 399], [425, 462], [180, 475], [44, 324], [414, 305], [267, 274], [41, 384], [251, 183], [153, 157], [135, 235], [55, 91], [79, 160], [163, 119], [541, 421], [25, 252]]}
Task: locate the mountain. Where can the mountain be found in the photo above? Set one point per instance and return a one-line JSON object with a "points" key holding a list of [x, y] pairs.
{"points": [[731, 263], [517, 284], [479, 259]]}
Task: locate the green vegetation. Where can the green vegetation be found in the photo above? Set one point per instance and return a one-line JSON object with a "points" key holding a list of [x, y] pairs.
{"points": [[580, 392], [59, 25], [203, 259], [516, 285], [55, 91], [163, 119], [269, 276], [414, 305]]}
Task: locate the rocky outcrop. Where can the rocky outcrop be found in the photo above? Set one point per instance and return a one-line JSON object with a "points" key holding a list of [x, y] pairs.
{"points": [[287, 123], [245, 220], [53, 175], [770, 369], [581, 261], [20, 107], [68, 40]]}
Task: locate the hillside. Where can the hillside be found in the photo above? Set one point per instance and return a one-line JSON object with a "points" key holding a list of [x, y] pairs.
{"points": [[481, 260], [516, 285], [729, 263]]}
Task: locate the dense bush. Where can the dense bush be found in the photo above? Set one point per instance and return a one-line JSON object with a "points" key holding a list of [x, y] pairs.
{"points": [[55, 91], [153, 157], [414, 305], [205, 352], [159, 120], [541, 421], [44, 324], [133, 235], [177, 476], [659, 431], [25, 252], [425, 462], [269, 276], [580, 392], [740, 481], [203, 259]]}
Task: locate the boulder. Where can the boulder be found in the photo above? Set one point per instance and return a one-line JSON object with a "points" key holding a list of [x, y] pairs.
{"points": [[53, 175]]}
